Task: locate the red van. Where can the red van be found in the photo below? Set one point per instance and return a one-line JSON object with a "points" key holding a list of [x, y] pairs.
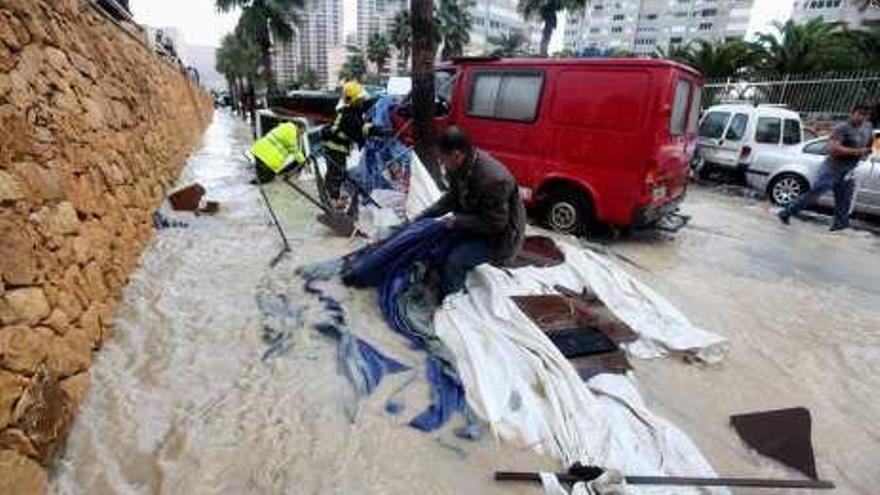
{"points": [[589, 140]]}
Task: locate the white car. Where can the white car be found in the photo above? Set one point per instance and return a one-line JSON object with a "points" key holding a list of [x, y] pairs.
{"points": [[786, 174], [733, 136]]}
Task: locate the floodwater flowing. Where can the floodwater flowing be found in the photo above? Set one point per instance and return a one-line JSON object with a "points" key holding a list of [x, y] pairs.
{"points": [[185, 399]]}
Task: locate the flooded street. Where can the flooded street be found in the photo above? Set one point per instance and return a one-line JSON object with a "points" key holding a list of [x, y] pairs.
{"points": [[187, 399], [183, 401], [801, 308]]}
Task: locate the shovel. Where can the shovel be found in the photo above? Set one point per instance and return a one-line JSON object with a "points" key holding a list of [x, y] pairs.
{"points": [[340, 223]]}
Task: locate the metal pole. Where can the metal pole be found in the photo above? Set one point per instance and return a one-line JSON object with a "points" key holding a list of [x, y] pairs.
{"points": [[680, 481]]}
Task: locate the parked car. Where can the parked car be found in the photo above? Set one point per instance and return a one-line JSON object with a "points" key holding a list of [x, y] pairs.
{"points": [[588, 140], [733, 136], [786, 175]]}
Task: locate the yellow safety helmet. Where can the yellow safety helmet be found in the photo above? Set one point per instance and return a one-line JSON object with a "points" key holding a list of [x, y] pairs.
{"points": [[352, 91]]}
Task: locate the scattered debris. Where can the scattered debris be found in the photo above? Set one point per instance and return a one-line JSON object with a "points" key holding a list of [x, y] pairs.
{"points": [[783, 434], [161, 222], [188, 198]]}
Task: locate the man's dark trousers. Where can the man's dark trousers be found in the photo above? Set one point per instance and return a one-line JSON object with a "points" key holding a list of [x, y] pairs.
{"points": [[466, 253], [835, 178]]}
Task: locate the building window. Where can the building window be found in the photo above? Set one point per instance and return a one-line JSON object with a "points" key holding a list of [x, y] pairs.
{"points": [[710, 12], [506, 96], [598, 7], [706, 26], [681, 14], [595, 30], [651, 17], [618, 17], [675, 41], [617, 29]]}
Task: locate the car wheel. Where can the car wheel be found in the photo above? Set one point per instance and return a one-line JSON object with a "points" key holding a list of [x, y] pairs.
{"points": [[787, 188], [568, 211]]}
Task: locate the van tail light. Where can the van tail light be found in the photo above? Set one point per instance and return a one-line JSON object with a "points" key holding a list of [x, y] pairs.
{"points": [[652, 175], [745, 153]]}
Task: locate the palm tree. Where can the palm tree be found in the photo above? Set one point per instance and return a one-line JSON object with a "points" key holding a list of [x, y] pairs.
{"points": [[714, 59], [354, 68], [813, 46], [260, 22], [401, 38], [423, 49], [508, 45], [239, 61], [547, 11], [454, 19], [378, 51]]}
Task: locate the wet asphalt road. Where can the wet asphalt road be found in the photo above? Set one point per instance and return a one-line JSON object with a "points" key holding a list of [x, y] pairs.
{"points": [[801, 307]]}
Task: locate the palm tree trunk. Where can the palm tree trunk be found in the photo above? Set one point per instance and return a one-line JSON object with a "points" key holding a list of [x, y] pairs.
{"points": [[424, 133], [267, 70], [546, 33]]}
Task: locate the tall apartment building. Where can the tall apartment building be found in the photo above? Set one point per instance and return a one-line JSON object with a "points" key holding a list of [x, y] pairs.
{"points": [[497, 18], [318, 33], [490, 19], [642, 26], [855, 14]]}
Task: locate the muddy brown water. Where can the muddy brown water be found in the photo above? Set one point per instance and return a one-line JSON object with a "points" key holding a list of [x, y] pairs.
{"points": [[182, 400]]}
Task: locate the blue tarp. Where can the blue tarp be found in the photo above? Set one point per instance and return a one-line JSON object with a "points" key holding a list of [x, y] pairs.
{"points": [[388, 266], [378, 152]]}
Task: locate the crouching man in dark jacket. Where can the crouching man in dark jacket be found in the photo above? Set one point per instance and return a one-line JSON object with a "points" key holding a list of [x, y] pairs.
{"points": [[488, 217]]}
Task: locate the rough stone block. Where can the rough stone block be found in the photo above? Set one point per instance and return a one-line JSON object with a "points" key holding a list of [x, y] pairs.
{"points": [[23, 348], [44, 414], [11, 188], [29, 304], [11, 387], [65, 220], [20, 474]]}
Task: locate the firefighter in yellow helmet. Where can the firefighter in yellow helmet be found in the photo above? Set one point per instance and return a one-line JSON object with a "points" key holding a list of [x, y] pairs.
{"points": [[277, 152], [347, 129]]}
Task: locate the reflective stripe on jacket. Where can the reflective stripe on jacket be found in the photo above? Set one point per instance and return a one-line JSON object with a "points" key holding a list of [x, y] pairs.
{"points": [[275, 148]]}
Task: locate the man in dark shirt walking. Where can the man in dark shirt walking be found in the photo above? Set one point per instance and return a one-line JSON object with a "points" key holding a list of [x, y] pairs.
{"points": [[488, 216], [850, 143]]}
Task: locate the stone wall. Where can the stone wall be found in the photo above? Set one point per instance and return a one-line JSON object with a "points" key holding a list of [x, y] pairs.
{"points": [[93, 128]]}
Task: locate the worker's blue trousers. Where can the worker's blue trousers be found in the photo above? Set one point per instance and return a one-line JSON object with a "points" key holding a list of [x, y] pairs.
{"points": [[465, 254]]}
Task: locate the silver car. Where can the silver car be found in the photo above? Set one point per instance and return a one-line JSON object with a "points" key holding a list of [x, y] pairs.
{"points": [[785, 174]]}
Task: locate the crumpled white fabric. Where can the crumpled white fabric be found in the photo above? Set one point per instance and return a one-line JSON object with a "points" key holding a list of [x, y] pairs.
{"points": [[529, 393], [423, 191], [517, 380]]}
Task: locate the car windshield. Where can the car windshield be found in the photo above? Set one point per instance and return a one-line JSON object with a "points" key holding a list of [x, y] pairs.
{"points": [[713, 125]]}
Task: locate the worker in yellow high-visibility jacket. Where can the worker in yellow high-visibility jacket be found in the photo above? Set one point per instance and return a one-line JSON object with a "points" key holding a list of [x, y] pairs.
{"points": [[277, 152]]}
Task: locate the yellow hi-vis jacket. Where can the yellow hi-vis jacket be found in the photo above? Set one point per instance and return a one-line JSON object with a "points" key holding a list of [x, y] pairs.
{"points": [[277, 147]]}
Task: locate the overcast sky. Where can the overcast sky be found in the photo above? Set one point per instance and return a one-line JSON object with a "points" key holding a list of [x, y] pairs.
{"points": [[202, 25]]}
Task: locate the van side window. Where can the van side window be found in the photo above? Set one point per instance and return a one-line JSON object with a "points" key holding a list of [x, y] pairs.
{"points": [[714, 124], [737, 129], [769, 130], [506, 95], [792, 132], [678, 120], [696, 101]]}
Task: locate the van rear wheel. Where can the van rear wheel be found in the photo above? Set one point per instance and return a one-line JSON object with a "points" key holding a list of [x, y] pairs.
{"points": [[567, 211]]}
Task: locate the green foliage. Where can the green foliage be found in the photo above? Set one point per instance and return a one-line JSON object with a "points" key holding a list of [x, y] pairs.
{"points": [[260, 21], [547, 11], [815, 46], [714, 59], [354, 68], [454, 22], [812, 46], [378, 51], [400, 36], [508, 45]]}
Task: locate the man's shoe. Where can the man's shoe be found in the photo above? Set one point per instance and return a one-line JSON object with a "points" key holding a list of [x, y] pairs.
{"points": [[837, 228], [783, 217]]}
